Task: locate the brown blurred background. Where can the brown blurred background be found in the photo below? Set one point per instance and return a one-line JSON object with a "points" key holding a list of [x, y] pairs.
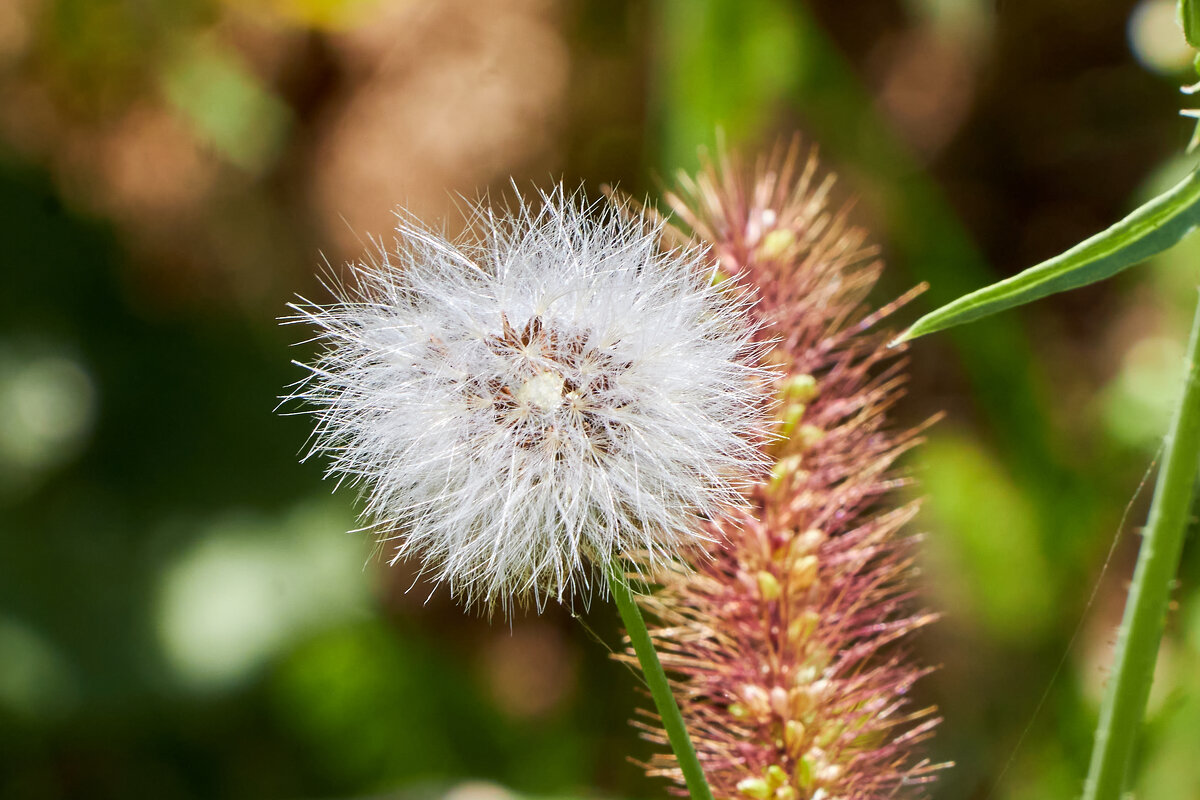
{"points": [[181, 614]]}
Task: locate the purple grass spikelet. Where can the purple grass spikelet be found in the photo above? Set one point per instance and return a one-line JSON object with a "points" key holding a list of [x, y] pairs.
{"points": [[787, 644]]}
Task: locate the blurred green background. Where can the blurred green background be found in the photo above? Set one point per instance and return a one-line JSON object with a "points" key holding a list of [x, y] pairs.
{"points": [[182, 614]]}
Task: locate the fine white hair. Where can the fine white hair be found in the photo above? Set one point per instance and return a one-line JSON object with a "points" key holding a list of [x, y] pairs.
{"points": [[522, 405]]}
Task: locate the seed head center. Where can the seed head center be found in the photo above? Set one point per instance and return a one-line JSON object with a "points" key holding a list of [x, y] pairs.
{"points": [[544, 390]]}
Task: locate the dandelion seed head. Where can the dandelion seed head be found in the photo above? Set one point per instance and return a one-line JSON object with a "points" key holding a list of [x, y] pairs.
{"points": [[524, 404]]}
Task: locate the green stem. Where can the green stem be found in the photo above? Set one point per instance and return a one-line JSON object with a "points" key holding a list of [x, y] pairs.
{"points": [[1146, 609], [660, 689]]}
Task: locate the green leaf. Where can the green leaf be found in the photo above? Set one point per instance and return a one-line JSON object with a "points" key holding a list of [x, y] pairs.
{"points": [[1149, 230], [1189, 15]]}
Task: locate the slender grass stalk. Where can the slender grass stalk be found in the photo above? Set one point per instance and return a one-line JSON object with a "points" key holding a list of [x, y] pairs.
{"points": [[1145, 610], [660, 688]]}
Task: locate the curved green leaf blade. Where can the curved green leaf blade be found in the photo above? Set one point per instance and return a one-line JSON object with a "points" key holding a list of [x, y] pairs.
{"points": [[1189, 15], [1150, 229]]}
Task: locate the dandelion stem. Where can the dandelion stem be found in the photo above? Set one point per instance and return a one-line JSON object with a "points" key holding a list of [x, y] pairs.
{"points": [[1145, 611], [656, 679]]}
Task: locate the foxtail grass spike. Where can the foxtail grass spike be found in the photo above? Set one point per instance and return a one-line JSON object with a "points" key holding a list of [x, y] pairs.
{"points": [[789, 643]]}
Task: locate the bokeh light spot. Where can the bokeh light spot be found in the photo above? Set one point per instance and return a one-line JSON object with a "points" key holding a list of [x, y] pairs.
{"points": [[1156, 38], [1138, 402], [35, 680], [47, 406], [249, 588]]}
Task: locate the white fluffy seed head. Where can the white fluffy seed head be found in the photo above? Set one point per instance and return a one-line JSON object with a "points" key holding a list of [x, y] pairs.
{"points": [[524, 405]]}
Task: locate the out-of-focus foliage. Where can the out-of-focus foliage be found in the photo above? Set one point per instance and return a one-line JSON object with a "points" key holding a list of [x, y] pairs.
{"points": [[181, 611]]}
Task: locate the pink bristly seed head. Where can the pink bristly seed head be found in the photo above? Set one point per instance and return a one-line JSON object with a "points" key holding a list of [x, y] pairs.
{"points": [[784, 642]]}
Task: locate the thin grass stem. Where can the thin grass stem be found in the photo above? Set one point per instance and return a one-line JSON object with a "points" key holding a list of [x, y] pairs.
{"points": [[1145, 611], [656, 680]]}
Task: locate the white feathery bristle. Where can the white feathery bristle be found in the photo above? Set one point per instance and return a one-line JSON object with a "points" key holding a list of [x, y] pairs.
{"points": [[522, 407]]}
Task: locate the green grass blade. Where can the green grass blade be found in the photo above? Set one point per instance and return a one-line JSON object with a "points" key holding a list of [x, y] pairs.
{"points": [[1189, 15], [1150, 229]]}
